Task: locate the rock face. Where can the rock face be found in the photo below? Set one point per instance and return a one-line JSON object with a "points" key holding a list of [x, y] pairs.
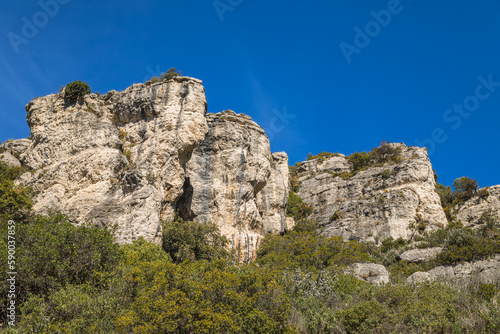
{"points": [[131, 159], [372, 273], [376, 203], [487, 271], [469, 213], [117, 158], [421, 255], [11, 150], [234, 181]]}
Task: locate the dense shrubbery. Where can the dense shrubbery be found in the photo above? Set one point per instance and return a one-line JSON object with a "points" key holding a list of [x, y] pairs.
{"points": [[76, 89], [15, 202], [304, 248], [187, 240]]}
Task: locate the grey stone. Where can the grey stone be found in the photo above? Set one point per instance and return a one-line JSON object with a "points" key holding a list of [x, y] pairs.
{"points": [[368, 206], [421, 255], [373, 273]]}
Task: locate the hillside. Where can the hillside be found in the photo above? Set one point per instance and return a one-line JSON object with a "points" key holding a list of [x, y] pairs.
{"points": [[139, 212]]}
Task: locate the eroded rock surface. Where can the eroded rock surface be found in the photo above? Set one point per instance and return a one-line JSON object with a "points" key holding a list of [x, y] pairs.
{"points": [[372, 273], [469, 213], [376, 203], [486, 271], [234, 181], [116, 159], [421, 255], [131, 159]]}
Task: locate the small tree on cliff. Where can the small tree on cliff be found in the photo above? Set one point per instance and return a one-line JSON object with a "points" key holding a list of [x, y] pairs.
{"points": [[76, 89]]}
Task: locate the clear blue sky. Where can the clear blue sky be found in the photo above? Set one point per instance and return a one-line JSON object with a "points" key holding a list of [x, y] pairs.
{"points": [[283, 63]]}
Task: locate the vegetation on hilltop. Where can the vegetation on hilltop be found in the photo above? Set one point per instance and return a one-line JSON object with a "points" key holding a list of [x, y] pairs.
{"points": [[76, 89], [171, 73]]}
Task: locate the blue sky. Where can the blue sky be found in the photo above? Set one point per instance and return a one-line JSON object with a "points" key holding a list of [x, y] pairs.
{"points": [[318, 76]]}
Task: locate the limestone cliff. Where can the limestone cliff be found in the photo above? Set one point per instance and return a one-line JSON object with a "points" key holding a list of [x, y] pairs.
{"points": [[470, 212], [130, 159], [389, 200], [234, 181]]}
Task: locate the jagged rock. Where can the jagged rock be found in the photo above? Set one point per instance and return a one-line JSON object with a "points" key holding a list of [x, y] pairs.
{"points": [[132, 159], [234, 181], [486, 271], [272, 199], [11, 150], [373, 273], [470, 212], [116, 159], [371, 205], [17, 146], [8, 159], [418, 277], [421, 255]]}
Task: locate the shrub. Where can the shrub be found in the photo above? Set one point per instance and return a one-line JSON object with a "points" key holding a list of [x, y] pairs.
{"points": [[445, 194], [52, 253], [363, 317], [76, 89], [189, 240], [359, 161], [304, 248], [296, 207], [15, 201], [171, 73], [337, 215], [465, 188], [386, 174], [322, 156]]}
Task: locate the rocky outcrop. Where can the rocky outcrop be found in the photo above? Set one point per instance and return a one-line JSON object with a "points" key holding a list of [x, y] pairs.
{"points": [[234, 181], [11, 150], [370, 272], [487, 271], [390, 200], [469, 213], [128, 160], [115, 159], [421, 254]]}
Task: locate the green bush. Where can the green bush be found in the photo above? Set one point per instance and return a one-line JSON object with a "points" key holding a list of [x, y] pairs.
{"points": [[76, 89], [189, 240], [464, 187], [386, 174], [304, 248], [171, 73], [51, 253], [15, 201], [296, 207]]}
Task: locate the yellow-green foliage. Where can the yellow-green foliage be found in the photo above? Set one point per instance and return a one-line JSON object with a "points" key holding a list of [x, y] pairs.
{"points": [[304, 248], [15, 201], [323, 156], [76, 89], [297, 208], [189, 240]]}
